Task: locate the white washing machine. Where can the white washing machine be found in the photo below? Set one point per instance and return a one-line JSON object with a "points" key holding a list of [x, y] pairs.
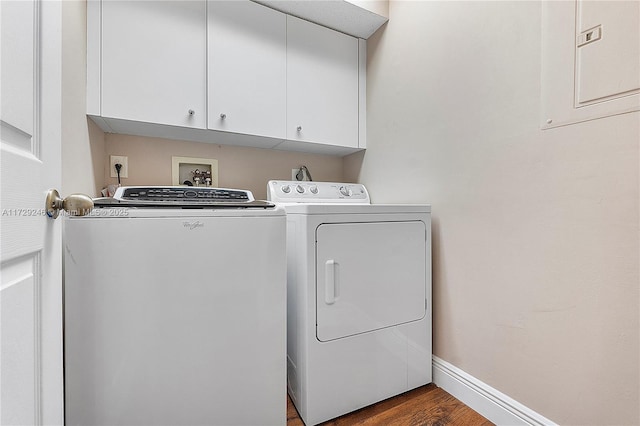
{"points": [[175, 310], [358, 297]]}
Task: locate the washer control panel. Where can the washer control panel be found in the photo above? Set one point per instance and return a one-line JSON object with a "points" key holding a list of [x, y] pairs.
{"points": [[181, 193], [282, 191]]}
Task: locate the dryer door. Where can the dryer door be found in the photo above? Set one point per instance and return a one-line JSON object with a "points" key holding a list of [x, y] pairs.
{"points": [[369, 276]]}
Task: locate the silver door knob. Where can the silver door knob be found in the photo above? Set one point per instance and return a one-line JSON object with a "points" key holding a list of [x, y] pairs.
{"points": [[191, 112], [223, 116], [74, 204], [299, 128]]}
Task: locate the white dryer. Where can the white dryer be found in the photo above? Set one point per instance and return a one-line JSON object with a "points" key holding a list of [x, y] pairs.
{"points": [[358, 297]]}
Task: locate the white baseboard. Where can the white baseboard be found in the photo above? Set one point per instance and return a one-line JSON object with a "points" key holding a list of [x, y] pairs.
{"points": [[491, 403]]}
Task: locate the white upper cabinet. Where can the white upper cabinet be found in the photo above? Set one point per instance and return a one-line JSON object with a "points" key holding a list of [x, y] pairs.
{"points": [[322, 85], [153, 61], [359, 18], [228, 72], [247, 68]]}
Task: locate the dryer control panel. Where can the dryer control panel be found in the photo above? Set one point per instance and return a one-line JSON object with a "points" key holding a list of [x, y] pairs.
{"points": [[282, 191]]}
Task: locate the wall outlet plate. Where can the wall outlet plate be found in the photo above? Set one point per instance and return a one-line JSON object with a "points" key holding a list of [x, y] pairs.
{"points": [[119, 159]]}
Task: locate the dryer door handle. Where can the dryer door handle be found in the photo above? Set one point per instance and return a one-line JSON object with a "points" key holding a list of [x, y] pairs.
{"points": [[330, 281]]}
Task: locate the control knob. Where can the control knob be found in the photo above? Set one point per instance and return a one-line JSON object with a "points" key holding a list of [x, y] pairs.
{"points": [[286, 189], [300, 189], [346, 191], [314, 189]]}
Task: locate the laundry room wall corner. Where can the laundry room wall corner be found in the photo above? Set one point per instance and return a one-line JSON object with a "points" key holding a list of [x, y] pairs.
{"points": [[82, 140]]}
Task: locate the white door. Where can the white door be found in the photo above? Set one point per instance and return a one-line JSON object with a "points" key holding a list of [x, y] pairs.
{"points": [[369, 276], [154, 65], [30, 256], [322, 84], [247, 68]]}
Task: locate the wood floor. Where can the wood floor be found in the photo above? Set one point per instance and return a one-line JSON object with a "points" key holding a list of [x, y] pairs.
{"points": [[427, 405]]}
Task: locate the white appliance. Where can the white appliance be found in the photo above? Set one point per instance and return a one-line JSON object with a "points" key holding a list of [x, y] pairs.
{"points": [[175, 309], [358, 297]]}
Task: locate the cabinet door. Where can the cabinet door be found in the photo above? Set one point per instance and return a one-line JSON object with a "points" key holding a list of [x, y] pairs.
{"points": [[154, 61], [322, 85], [247, 68]]}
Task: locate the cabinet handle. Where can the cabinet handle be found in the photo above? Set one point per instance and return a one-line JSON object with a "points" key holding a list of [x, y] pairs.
{"points": [[223, 116], [299, 128], [191, 112]]}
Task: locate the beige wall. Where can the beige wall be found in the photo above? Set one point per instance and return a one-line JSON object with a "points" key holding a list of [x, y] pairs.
{"points": [[247, 168], [536, 282], [82, 140]]}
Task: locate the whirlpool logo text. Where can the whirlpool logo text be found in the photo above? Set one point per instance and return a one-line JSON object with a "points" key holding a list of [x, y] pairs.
{"points": [[193, 225]]}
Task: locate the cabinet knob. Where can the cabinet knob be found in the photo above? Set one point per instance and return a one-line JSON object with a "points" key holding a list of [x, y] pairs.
{"points": [[299, 128], [191, 112], [223, 116]]}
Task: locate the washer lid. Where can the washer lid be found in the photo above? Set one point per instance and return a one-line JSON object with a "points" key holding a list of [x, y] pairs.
{"points": [[204, 204]]}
